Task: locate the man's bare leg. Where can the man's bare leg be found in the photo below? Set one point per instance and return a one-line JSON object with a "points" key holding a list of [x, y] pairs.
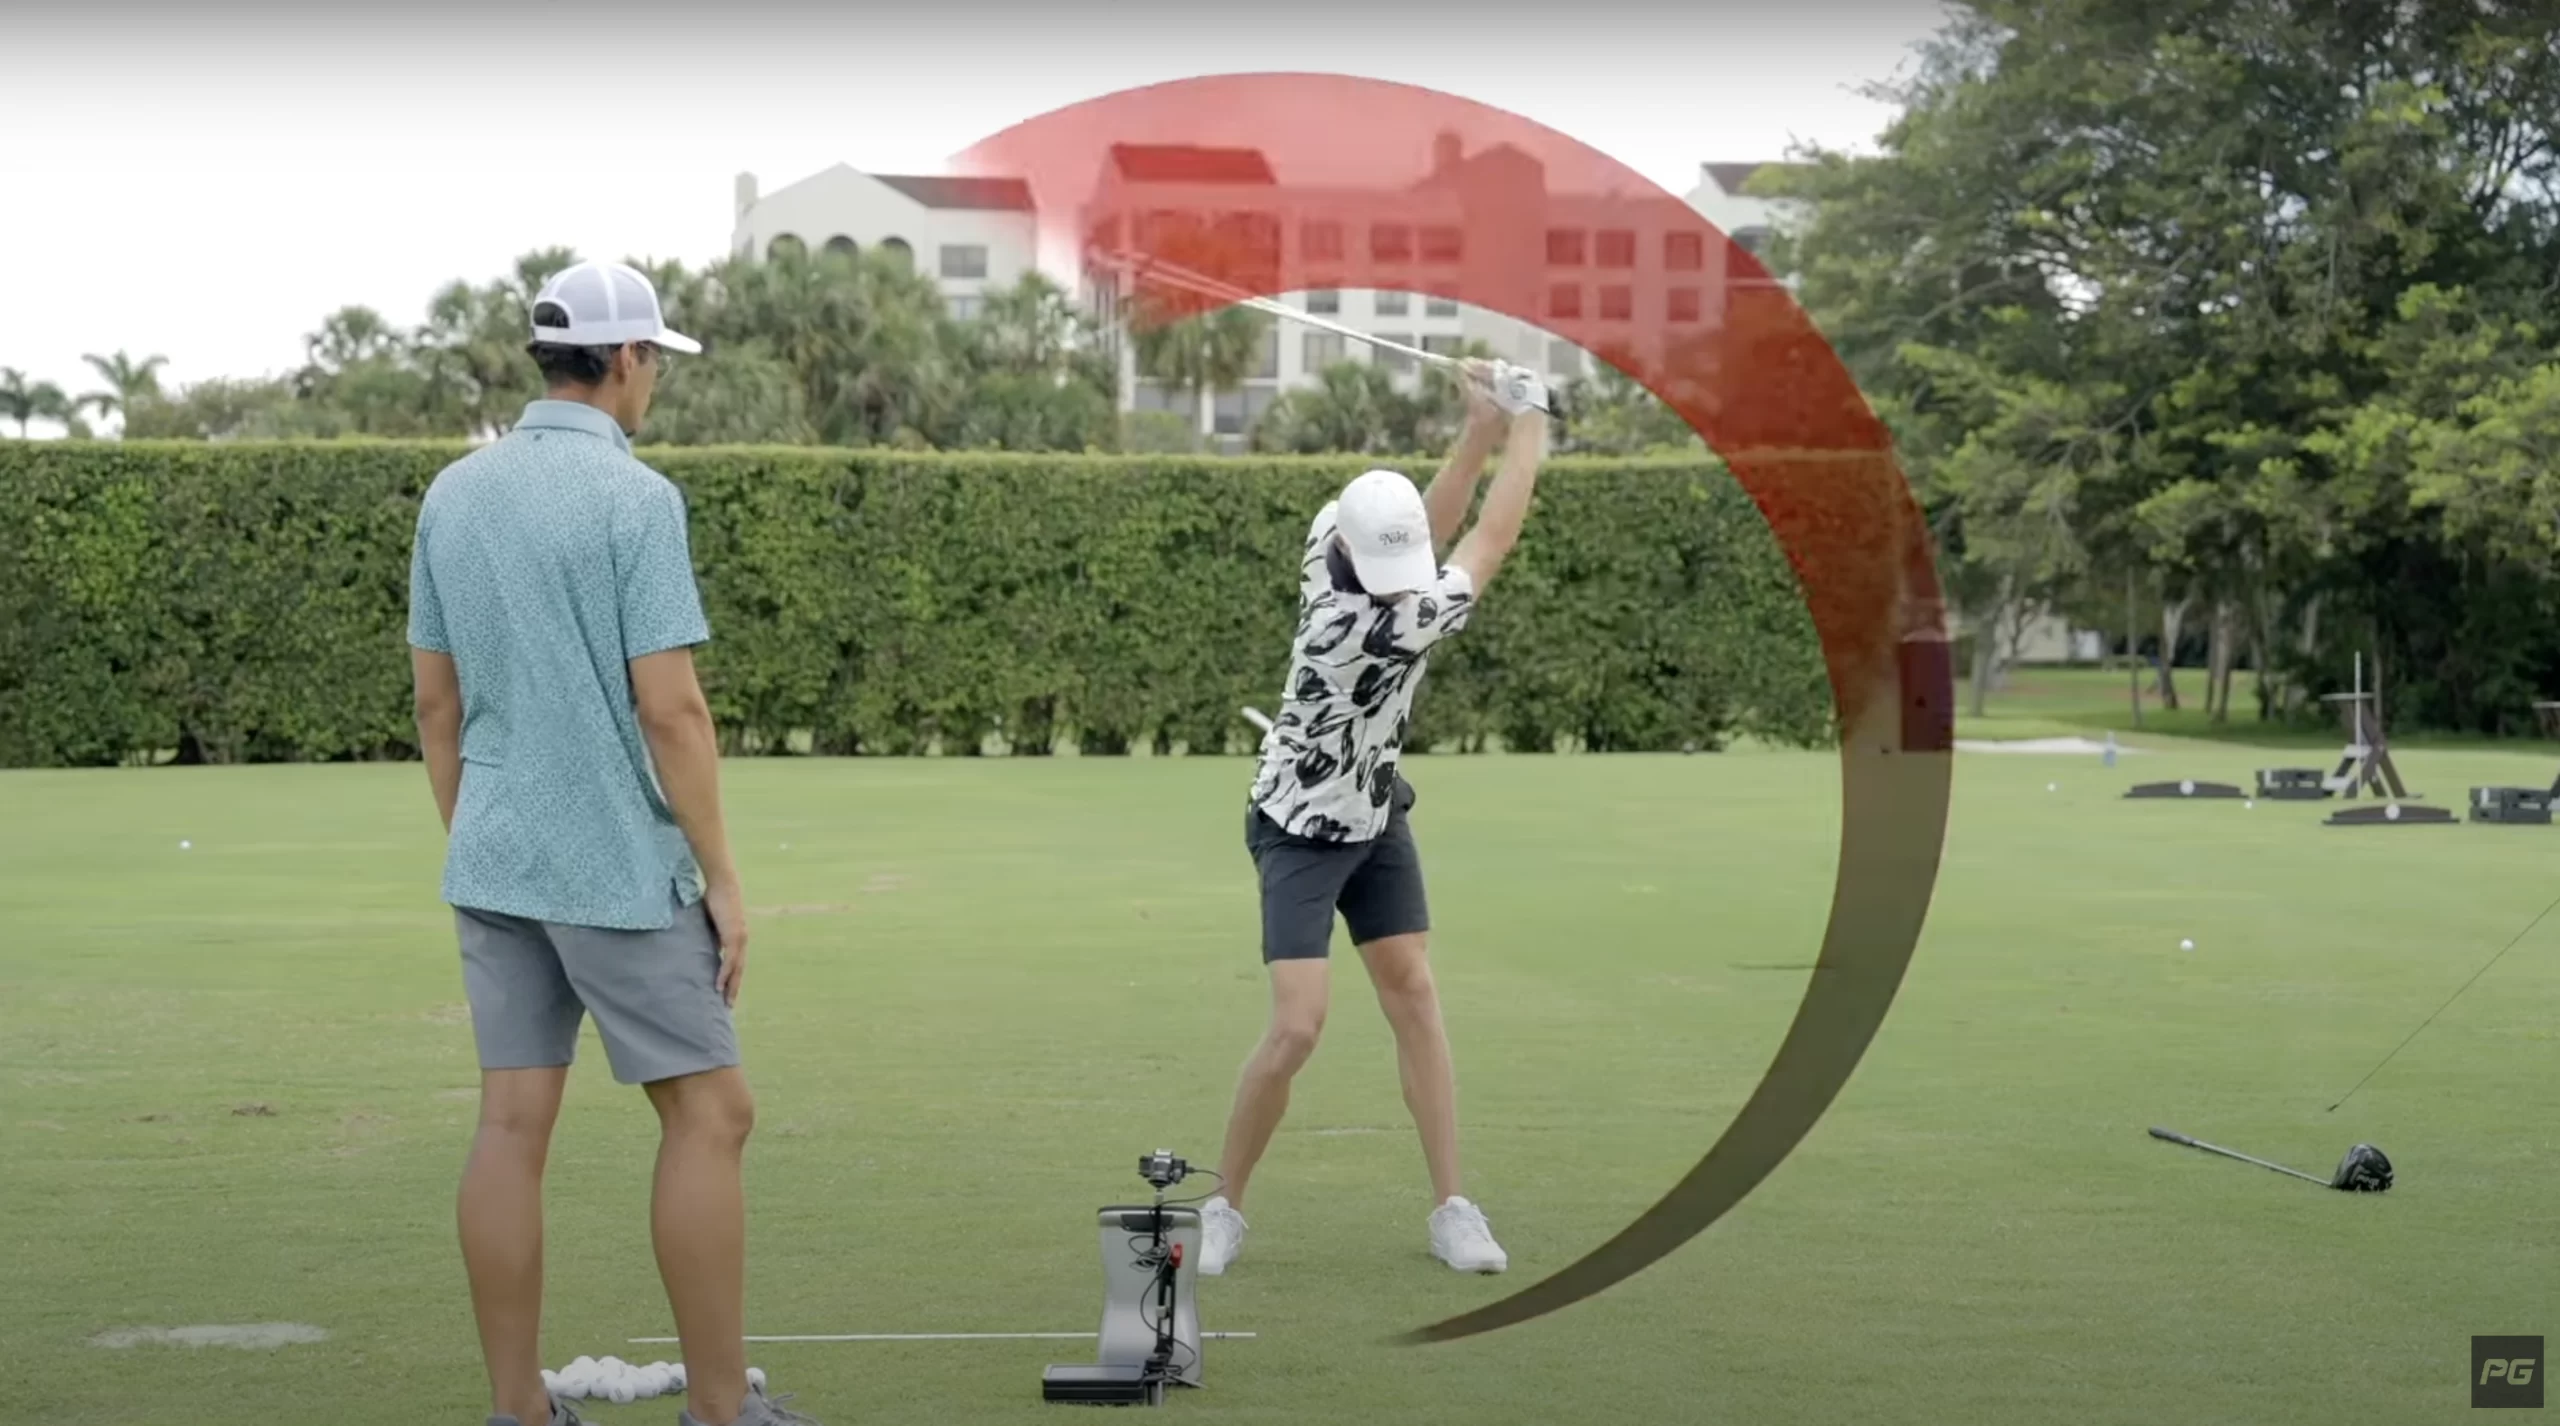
{"points": [[1400, 969], [698, 1222], [499, 1215], [1299, 991]]}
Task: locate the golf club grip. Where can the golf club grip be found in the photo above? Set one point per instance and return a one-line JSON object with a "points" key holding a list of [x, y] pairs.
{"points": [[2172, 1136]]}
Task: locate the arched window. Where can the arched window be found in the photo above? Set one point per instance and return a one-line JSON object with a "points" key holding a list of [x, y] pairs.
{"points": [[785, 245], [840, 246], [899, 247]]}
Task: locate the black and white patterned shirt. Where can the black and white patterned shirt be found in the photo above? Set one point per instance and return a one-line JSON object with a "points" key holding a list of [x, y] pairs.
{"points": [[1329, 762]]}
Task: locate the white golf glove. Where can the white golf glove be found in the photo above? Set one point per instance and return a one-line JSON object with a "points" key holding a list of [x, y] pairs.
{"points": [[1516, 389]]}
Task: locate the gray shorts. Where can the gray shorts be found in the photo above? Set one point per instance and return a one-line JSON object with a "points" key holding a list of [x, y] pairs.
{"points": [[655, 994], [1376, 885]]}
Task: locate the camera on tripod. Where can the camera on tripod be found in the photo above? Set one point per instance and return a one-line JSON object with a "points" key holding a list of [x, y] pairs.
{"points": [[1150, 1338]]}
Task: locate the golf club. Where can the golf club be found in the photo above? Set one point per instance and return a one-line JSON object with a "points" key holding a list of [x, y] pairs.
{"points": [[1144, 270], [2365, 1169]]}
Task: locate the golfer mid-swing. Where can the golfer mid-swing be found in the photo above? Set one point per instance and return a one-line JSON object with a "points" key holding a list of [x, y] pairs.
{"points": [[1327, 818]]}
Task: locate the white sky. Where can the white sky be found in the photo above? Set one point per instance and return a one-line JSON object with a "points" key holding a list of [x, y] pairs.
{"points": [[211, 203]]}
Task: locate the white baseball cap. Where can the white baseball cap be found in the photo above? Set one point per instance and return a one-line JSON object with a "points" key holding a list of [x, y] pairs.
{"points": [[1386, 530], [608, 304]]}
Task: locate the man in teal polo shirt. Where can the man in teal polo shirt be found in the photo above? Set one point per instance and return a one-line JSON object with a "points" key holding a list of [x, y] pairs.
{"points": [[553, 616]]}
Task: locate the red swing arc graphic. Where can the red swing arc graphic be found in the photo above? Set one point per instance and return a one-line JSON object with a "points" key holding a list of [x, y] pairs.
{"points": [[1276, 182]]}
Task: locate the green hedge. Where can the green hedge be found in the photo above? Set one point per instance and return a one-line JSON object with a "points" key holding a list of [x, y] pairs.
{"points": [[246, 602]]}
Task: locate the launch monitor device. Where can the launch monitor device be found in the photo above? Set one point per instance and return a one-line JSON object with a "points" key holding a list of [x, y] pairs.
{"points": [[1150, 1336]]}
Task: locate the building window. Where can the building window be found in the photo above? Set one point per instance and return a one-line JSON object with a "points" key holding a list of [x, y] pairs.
{"points": [[964, 260], [1258, 400], [965, 307], [786, 245], [1615, 247], [1152, 395], [1563, 358], [1320, 242], [1684, 252], [1324, 349], [1251, 236], [1447, 345], [1390, 242], [840, 245], [1324, 301], [1617, 304], [1436, 305], [1684, 304], [1442, 245], [1565, 300], [897, 248], [1396, 363], [1392, 304], [1227, 410], [1564, 247], [1266, 367]]}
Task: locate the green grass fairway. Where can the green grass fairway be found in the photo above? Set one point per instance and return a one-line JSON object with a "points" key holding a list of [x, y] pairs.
{"points": [[2089, 702], [981, 988]]}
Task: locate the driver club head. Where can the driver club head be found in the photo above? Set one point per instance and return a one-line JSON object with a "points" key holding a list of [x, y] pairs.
{"points": [[2365, 1169]]}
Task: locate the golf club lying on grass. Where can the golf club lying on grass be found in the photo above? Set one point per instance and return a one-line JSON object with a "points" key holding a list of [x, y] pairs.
{"points": [[2365, 1169]]}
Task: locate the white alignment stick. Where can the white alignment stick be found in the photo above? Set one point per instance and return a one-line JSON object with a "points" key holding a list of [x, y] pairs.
{"points": [[948, 1337]]}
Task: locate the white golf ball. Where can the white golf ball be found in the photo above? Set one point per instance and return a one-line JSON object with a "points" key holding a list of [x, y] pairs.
{"points": [[2252, 802], [184, 845], [755, 1376], [2186, 945], [622, 1394], [2051, 786]]}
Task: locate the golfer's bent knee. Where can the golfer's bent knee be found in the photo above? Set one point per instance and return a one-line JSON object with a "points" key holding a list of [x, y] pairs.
{"points": [[1292, 1041]]}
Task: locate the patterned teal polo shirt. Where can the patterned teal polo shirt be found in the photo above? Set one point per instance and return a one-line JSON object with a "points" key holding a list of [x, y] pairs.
{"points": [[544, 563]]}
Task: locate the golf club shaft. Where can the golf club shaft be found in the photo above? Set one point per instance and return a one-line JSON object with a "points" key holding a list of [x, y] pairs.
{"points": [[1215, 290], [2177, 1138]]}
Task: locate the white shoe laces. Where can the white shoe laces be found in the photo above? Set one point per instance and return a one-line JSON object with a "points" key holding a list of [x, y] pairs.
{"points": [[1466, 1225]]}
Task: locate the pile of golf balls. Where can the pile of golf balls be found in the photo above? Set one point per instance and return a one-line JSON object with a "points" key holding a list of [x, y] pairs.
{"points": [[621, 1382]]}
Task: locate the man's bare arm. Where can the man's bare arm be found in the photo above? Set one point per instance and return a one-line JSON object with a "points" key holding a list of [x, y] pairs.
{"points": [[1454, 488], [1506, 505], [439, 702], [676, 721]]}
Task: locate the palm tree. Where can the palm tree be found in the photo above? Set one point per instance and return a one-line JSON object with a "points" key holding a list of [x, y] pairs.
{"points": [[27, 403], [1214, 351], [129, 383], [1353, 408]]}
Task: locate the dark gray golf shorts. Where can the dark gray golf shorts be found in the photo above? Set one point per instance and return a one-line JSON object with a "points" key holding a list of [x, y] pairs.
{"points": [[1376, 885], [655, 994]]}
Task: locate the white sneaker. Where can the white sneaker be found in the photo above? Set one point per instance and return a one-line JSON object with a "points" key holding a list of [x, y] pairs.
{"points": [[1461, 1238], [1221, 1235]]}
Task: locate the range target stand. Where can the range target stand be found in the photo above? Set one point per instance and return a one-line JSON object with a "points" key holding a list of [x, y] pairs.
{"points": [[2184, 788], [2366, 765], [2521, 806]]}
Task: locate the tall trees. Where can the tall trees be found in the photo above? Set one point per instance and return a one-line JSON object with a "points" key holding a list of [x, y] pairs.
{"points": [[2135, 279]]}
